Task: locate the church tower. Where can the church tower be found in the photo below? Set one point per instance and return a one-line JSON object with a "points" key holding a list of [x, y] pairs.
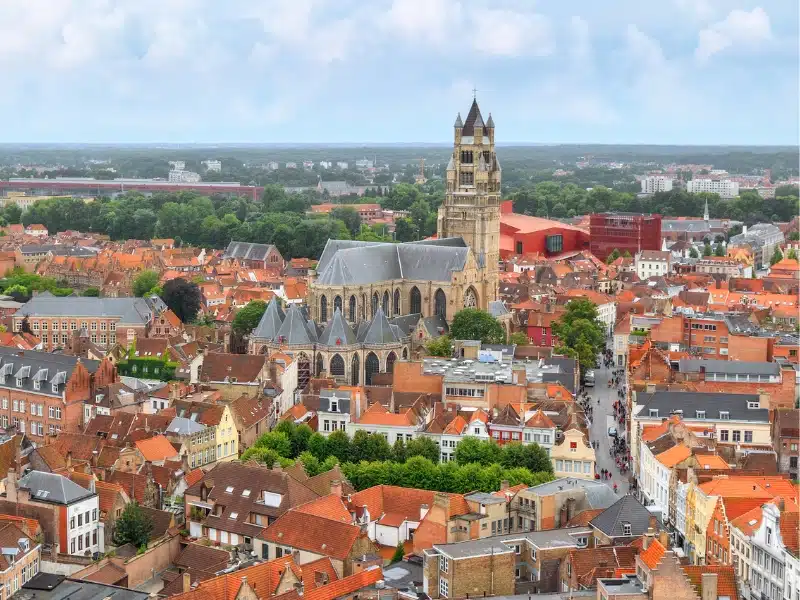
{"points": [[471, 208]]}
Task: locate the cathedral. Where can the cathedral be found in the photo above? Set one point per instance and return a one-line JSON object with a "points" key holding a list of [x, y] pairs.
{"points": [[366, 298]]}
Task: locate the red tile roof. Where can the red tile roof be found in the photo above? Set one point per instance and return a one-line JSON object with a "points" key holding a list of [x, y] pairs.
{"points": [[726, 579], [156, 449], [329, 507], [345, 586], [653, 554], [313, 533]]}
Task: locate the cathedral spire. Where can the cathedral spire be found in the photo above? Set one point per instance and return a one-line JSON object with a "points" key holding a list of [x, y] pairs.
{"points": [[705, 211], [459, 122]]}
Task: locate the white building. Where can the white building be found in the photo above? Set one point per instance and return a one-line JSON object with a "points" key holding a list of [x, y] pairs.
{"points": [[213, 165], [724, 187], [768, 551], [651, 263], [325, 164], [308, 165], [342, 165], [656, 183], [273, 165], [177, 165], [79, 507], [291, 165], [364, 163], [181, 176], [334, 411]]}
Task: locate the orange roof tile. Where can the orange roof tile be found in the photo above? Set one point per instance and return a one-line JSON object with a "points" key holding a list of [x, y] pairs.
{"points": [[193, 477], [330, 507], [726, 579], [790, 528], [345, 586], [749, 521], [313, 533], [156, 448], [653, 554], [456, 426], [540, 421], [31, 524], [711, 461], [674, 455], [322, 565], [378, 415]]}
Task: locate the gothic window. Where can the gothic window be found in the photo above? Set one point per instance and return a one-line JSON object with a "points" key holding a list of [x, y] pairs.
{"points": [[352, 309], [390, 362], [466, 157], [337, 304], [396, 302], [371, 366], [440, 303], [323, 309], [375, 302], [416, 301], [355, 369], [405, 353], [466, 178], [337, 366], [320, 365], [363, 307], [470, 298], [386, 304]]}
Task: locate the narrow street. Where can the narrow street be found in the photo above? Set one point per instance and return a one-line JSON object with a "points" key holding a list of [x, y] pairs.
{"points": [[602, 419]]}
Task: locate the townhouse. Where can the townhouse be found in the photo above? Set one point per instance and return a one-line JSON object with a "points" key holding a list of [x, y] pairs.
{"points": [[20, 559], [786, 439], [252, 416], [204, 431], [42, 393], [235, 374]]}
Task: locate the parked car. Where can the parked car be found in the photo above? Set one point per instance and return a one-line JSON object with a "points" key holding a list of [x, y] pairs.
{"points": [[588, 379], [612, 432]]}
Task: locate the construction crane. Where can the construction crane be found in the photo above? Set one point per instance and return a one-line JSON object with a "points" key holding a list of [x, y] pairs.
{"points": [[420, 179]]}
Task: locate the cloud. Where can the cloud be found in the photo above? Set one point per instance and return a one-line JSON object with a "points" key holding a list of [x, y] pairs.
{"points": [[740, 27], [580, 46]]}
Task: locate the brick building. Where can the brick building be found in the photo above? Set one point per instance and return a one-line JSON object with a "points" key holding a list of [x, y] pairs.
{"points": [[624, 231], [786, 439]]}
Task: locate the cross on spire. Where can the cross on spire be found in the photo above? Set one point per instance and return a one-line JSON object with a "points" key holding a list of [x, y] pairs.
{"points": [[474, 93]]}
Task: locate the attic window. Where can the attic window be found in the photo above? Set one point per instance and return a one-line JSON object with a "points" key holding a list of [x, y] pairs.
{"points": [[755, 404], [652, 412], [700, 414], [626, 529], [229, 489], [246, 493], [334, 406], [233, 515], [724, 415]]}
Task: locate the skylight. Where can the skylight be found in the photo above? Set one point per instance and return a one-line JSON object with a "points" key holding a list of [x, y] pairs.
{"points": [[246, 493], [229, 489], [233, 515]]}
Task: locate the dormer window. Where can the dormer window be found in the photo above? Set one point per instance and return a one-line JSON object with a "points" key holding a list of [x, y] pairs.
{"points": [[724, 415], [755, 404], [37, 384], [334, 406], [626, 529], [652, 412], [19, 382], [233, 515], [245, 493], [700, 414], [55, 388]]}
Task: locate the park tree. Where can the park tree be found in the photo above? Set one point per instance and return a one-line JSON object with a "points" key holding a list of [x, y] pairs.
{"points": [[693, 253], [183, 298], [518, 338], [423, 446], [405, 230], [144, 282], [792, 254], [318, 446], [260, 454], [339, 445], [777, 256], [580, 333], [530, 456], [474, 324], [707, 251], [349, 217], [277, 441], [248, 317], [441, 346], [133, 526], [719, 250]]}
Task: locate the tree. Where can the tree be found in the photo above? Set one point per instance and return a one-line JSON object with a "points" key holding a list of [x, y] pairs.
{"points": [[441, 346], [277, 441], [144, 282], [530, 456], [707, 249], [133, 526], [580, 333], [265, 456], [518, 338], [249, 317], [794, 236], [792, 254], [399, 450], [405, 230], [626, 254], [183, 298], [349, 217], [91, 292], [693, 253], [318, 446], [719, 250], [777, 256], [423, 446], [474, 324], [399, 553], [339, 445], [613, 256]]}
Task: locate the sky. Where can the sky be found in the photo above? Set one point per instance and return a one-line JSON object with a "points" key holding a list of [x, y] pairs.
{"points": [[361, 71]]}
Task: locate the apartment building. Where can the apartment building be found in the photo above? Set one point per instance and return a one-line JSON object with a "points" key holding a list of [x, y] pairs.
{"points": [[761, 239], [712, 336], [552, 505], [726, 188], [42, 393], [205, 432], [656, 183], [106, 320]]}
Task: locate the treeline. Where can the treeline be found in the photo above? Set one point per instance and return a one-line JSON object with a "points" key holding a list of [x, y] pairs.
{"points": [[368, 459], [557, 200]]}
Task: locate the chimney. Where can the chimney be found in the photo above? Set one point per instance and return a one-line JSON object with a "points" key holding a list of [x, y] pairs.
{"points": [[336, 487], [504, 485], [709, 586], [652, 525], [187, 582], [645, 542], [663, 538], [11, 485]]}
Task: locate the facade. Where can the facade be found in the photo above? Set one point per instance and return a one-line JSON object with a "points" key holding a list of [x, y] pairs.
{"points": [[260, 256], [624, 232], [524, 234], [726, 188], [761, 239], [573, 456], [652, 263], [20, 559], [656, 183], [552, 505], [786, 439]]}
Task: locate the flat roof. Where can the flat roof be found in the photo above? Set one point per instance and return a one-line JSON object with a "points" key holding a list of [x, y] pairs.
{"points": [[46, 586], [503, 544], [629, 584]]}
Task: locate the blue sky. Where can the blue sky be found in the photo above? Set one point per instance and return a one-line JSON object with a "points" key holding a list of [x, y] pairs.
{"points": [[278, 71]]}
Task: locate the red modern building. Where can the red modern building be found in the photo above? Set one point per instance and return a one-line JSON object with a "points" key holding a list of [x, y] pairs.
{"points": [[523, 234], [624, 231]]}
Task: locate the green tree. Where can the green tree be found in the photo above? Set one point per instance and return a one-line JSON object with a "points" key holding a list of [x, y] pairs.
{"points": [[399, 553], [249, 317], [339, 445], [423, 446], [441, 346], [777, 256], [794, 236], [310, 463], [613, 256], [719, 250], [474, 324], [349, 217], [792, 254], [580, 333], [183, 298], [144, 282], [91, 292], [530, 456], [277, 441], [399, 450], [133, 526], [318, 446], [265, 456], [405, 231], [693, 253], [707, 249], [518, 338]]}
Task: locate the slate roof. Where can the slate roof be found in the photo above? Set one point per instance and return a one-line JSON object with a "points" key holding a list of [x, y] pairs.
{"points": [[270, 322], [380, 331], [131, 311], [342, 396], [728, 367], [337, 332], [474, 119], [247, 251], [625, 510], [497, 308], [295, 330], [345, 262], [53, 488], [736, 404], [184, 426], [42, 367]]}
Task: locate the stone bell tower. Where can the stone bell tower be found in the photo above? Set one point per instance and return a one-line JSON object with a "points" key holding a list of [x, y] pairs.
{"points": [[471, 208]]}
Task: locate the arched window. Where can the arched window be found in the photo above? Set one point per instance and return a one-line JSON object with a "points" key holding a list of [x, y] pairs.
{"points": [[337, 304], [396, 306], [337, 366], [470, 298], [355, 370], [375, 301], [323, 309], [386, 304], [405, 353], [363, 307], [352, 309], [390, 362], [416, 301], [371, 366], [440, 303], [320, 365]]}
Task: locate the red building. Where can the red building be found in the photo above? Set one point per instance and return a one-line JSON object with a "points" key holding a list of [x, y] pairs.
{"points": [[624, 231], [522, 234]]}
